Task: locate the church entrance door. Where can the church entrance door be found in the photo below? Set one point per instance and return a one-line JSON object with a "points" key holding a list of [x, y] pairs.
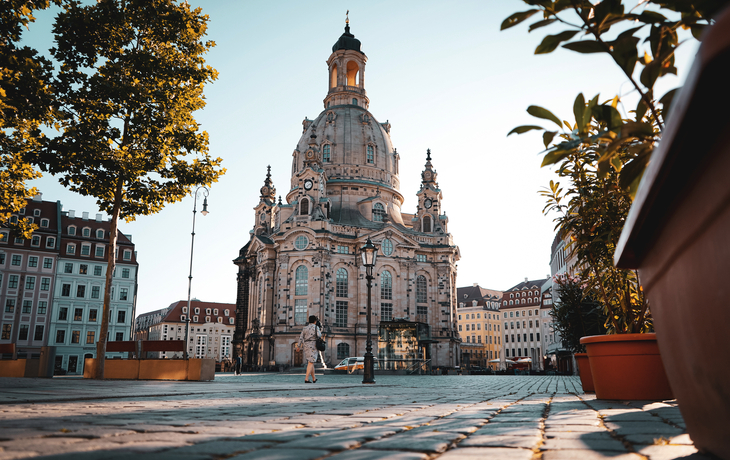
{"points": [[297, 357]]}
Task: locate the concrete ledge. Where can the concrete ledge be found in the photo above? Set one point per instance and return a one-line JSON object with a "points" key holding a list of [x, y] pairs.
{"points": [[12, 367], [153, 369]]}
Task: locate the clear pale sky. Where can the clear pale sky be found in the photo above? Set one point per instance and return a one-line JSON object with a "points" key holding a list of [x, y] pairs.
{"points": [[443, 75]]}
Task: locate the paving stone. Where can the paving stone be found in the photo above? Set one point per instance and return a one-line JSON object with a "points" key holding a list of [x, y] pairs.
{"points": [[420, 442], [631, 428], [288, 435], [509, 429], [459, 426], [365, 454], [670, 452], [596, 443], [480, 453], [588, 455], [527, 442], [219, 447], [281, 454]]}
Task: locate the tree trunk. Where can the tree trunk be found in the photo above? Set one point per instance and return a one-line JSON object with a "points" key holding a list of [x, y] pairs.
{"points": [[111, 264]]}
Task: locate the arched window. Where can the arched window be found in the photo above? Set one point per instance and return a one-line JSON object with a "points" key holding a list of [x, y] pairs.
{"points": [[304, 207], [354, 101], [378, 212], [326, 153], [333, 76], [341, 290], [371, 154], [427, 224], [352, 73], [100, 234], [301, 280], [386, 285], [421, 289], [343, 350]]}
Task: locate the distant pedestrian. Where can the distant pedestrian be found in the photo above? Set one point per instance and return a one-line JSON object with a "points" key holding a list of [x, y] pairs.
{"points": [[239, 365], [308, 342]]}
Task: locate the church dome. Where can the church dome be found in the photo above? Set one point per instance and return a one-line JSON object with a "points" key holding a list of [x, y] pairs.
{"points": [[347, 41]]}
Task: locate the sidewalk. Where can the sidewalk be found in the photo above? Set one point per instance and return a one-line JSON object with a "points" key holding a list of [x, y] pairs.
{"points": [[277, 416]]}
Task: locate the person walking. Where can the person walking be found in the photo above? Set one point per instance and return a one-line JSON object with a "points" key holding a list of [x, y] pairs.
{"points": [[239, 365], [308, 342]]}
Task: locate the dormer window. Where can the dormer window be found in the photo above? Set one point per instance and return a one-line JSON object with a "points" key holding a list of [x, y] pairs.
{"points": [[71, 230], [371, 155], [354, 101], [44, 223], [326, 153], [36, 212], [378, 212], [86, 232], [100, 234]]}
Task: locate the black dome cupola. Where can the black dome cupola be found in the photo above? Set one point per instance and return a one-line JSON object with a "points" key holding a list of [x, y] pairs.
{"points": [[347, 41]]}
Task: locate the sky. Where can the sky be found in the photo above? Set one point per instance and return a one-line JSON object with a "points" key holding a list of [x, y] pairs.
{"points": [[441, 73]]}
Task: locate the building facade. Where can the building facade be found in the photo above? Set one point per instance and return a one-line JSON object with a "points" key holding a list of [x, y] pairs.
{"points": [[78, 296], [27, 278], [479, 326], [303, 257], [522, 323]]}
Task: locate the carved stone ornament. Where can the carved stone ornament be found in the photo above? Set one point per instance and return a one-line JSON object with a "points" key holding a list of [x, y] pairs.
{"points": [[365, 119], [331, 116]]}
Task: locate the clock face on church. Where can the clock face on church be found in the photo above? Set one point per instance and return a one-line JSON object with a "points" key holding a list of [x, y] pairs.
{"points": [[428, 203], [307, 184]]}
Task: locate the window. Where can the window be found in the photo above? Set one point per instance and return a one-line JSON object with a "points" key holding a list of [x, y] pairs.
{"points": [[7, 329], [422, 311], [343, 249], [301, 280], [99, 251], [16, 259], [119, 337], [459, 327], [35, 241], [200, 346], [387, 247], [125, 273], [38, 335], [50, 242], [354, 101], [421, 258], [226, 312], [42, 306], [83, 268], [378, 212], [86, 232], [66, 290], [123, 293], [13, 281], [78, 313], [300, 312], [70, 248], [326, 153], [421, 289], [386, 285], [341, 313], [371, 155], [122, 317], [127, 254], [71, 230], [44, 223], [85, 249], [68, 268], [97, 270], [100, 234], [36, 212], [538, 336], [47, 262], [95, 292], [90, 337], [301, 242], [343, 350], [30, 283], [386, 311], [60, 336], [32, 261], [27, 306], [75, 336], [92, 315], [341, 289], [304, 207], [427, 224], [80, 291]]}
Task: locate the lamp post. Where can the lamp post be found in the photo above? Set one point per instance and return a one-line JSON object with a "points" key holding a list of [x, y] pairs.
{"points": [[369, 253], [192, 245]]}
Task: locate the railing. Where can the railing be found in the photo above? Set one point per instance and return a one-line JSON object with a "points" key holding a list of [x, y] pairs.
{"points": [[418, 367], [352, 89]]}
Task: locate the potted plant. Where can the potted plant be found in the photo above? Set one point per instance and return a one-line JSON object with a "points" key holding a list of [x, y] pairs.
{"points": [[576, 315]]}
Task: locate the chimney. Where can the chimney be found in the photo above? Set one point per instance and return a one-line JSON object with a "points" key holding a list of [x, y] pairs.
{"points": [[85, 216], [71, 214], [38, 197], [525, 279], [475, 284], [98, 217]]}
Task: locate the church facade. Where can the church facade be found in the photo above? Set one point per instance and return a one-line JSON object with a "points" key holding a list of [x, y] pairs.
{"points": [[303, 257]]}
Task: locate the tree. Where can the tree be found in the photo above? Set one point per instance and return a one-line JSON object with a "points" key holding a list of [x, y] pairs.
{"points": [[132, 74], [26, 104], [574, 314]]}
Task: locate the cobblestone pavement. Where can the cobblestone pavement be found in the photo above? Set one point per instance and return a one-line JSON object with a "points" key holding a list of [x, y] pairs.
{"points": [[277, 416]]}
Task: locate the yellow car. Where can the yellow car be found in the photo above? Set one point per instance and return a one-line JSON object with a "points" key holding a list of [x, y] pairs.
{"points": [[354, 363]]}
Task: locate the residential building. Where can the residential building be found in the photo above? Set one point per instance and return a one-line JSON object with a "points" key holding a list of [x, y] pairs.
{"points": [[78, 300], [211, 329], [561, 262], [27, 278], [521, 322], [479, 325], [303, 256], [144, 322]]}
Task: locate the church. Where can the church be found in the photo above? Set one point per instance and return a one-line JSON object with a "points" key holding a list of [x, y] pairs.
{"points": [[303, 257]]}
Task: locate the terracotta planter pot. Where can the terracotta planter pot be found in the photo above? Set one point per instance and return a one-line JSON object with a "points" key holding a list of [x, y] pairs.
{"points": [[627, 367], [584, 370]]}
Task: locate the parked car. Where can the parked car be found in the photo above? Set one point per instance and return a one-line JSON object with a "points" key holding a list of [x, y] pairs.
{"points": [[354, 363]]}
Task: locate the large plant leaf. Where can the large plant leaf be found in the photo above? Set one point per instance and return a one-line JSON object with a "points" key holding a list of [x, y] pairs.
{"points": [[550, 42], [517, 18], [586, 47], [539, 112], [524, 129]]}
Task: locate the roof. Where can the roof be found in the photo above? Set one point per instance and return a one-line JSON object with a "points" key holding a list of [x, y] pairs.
{"points": [[482, 295], [176, 312], [347, 41], [528, 284]]}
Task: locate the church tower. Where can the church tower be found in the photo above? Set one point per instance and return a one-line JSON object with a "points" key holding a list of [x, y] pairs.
{"points": [[303, 255]]}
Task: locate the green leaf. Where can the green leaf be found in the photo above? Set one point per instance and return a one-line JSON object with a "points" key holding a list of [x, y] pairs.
{"points": [[650, 74], [586, 47], [550, 42], [697, 30], [547, 137], [625, 53], [579, 109], [641, 109], [516, 19], [540, 112], [651, 17], [554, 157], [608, 115], [543, 23], [666, 102], [524, 129]]}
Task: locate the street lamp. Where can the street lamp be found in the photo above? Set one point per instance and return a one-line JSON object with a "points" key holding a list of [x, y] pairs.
{"points": [[192, 245], [369, 253]]}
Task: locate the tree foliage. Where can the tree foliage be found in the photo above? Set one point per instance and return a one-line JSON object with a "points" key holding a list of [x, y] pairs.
{"points": [[26, 104], [574, 313], [132, 74]]}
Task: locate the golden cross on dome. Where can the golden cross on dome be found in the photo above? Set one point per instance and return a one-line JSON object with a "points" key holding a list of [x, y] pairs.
{"points": [[347, 17]]}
